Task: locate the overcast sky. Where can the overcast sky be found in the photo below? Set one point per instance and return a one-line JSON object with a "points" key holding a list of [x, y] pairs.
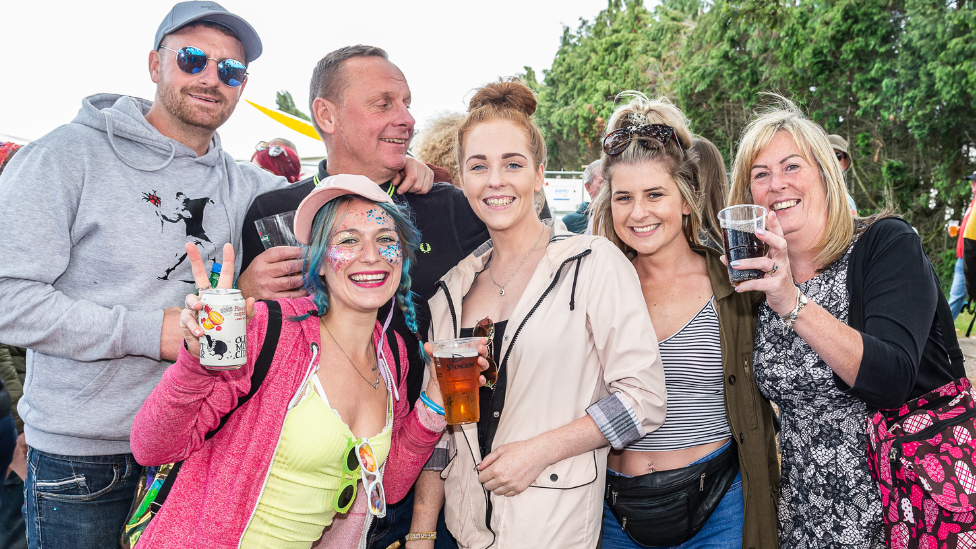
{"points": [[58, 52]]}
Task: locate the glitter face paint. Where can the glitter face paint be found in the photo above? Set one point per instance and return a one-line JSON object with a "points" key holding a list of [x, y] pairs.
{"points": [[392, 253], [363, 219]]}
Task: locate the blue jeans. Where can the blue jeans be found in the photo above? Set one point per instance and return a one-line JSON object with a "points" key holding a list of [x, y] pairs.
{"points": [[723, 530], [957, 292], [396, 525], [78, 502]]}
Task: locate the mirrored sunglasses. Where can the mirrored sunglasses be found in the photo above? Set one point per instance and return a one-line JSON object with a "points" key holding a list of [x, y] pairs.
{"points": [[192, 60], [486, 328], [617, 141], [273, 150]]}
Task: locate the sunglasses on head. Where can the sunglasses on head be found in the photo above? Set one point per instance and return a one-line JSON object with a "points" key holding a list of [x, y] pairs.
{"points": [[486, 328], [617, 141], [273, 150], [192, 60], [360, 460], [840, 155]]}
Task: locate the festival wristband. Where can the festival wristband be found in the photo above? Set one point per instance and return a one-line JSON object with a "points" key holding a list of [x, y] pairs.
{"points": [[439, 410], [415, 536]]}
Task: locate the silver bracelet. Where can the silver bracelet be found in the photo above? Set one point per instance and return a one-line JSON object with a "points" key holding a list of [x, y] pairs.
{"points": [[789, 318]]}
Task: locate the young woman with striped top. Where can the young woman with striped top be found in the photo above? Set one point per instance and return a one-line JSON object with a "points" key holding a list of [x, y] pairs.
{"points": [[708, 476]]}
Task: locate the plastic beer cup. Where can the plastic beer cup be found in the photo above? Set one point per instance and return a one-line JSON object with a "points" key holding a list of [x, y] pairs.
{"points": [[458, 373], [739, 224]]}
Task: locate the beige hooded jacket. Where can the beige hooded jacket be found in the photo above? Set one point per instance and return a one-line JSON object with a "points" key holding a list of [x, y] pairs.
{"points": [[579, 337]]}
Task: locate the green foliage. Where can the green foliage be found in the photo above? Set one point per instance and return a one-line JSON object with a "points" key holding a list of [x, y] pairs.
{"points": [[894, 77], [287, 104]]}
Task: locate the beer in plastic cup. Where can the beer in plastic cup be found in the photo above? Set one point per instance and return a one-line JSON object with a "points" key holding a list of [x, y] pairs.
{"points": [[954, 228], [456, 366], [739, 224]]}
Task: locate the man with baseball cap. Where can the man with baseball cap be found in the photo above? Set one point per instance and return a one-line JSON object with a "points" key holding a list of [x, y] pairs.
{"points": [[94, 280], [840, 146]]}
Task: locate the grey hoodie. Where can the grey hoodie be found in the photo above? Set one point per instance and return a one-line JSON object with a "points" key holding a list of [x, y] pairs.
{"points": [[96, 215]]}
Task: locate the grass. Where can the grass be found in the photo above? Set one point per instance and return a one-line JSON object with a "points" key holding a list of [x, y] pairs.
{"points": [[962, 323]]}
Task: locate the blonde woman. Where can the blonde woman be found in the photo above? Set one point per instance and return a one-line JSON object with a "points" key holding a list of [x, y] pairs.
{"points": [[715, 452], [714, 184], [825, 376]]}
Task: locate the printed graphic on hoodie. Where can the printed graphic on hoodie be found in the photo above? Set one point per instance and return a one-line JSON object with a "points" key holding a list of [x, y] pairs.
{"points": [[184, 214]]}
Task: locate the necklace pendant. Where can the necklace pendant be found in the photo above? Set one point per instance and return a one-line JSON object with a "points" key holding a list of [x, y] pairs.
{"points": [[377, 383], [502, 292]]}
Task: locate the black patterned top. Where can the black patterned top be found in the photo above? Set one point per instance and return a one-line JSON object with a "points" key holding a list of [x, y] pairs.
{"points": [[827, 496]]}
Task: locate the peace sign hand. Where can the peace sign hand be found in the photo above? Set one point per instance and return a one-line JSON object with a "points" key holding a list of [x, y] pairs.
{"points": [[192, 332]]}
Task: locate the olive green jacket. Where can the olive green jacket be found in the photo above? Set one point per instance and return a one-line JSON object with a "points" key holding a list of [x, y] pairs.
{"points": [[13, 368], [750, 414]]}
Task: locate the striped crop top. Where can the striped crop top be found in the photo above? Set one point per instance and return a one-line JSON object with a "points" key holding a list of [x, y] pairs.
{"points": [[695, 382]]}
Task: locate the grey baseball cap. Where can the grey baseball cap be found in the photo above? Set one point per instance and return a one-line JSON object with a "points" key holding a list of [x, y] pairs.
{"points": [[185, 13]]}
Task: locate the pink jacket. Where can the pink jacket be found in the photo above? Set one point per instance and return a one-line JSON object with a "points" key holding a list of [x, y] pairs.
{"points": [[220, 482]]}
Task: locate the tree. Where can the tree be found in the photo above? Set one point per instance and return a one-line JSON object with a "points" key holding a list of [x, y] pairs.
{"points": [[287, 104], [894, 77]]}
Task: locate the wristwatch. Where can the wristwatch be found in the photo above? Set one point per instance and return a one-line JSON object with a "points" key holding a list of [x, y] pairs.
{"points": [[789, 318]]}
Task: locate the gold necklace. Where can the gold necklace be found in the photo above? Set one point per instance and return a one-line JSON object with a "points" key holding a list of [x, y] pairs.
{"points": [[502, 286], [376, 383]]}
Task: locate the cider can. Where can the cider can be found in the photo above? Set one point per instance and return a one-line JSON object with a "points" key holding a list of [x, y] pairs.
{"points": [[223, 318]]}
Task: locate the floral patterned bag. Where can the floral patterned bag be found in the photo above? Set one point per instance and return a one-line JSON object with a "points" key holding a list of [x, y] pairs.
{"points": [[922, 454], [922, 457]]}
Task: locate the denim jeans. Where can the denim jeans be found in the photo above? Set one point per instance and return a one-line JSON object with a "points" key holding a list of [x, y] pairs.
{"points": [[78, 501], [957, 292], [723, 530], [396, 525]]}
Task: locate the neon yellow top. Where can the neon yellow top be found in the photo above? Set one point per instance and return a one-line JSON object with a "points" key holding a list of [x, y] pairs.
{"points": [[306, 472]]}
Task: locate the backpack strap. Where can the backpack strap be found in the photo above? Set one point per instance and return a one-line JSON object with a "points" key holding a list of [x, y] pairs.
{"points": [[261, 367], [855, 317]]}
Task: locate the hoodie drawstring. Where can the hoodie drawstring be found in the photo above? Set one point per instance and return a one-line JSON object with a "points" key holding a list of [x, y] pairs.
{"points": [[231, 226], [572, 295], [111, 141], [379, 353]]}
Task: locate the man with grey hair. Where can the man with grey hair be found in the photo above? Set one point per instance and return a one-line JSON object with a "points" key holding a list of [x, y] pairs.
{"points": [[359, 104], [579, 221]]}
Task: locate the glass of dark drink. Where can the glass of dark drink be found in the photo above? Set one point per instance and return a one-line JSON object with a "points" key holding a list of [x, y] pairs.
{"points": [[458, 373], [739, 224]]}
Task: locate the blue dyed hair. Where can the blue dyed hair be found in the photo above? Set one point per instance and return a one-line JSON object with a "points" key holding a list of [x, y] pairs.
{"points": [[316, 255]]}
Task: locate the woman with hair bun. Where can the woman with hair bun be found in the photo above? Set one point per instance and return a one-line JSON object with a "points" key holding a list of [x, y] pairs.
{"points": [[715, 452], [578, 368]]}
